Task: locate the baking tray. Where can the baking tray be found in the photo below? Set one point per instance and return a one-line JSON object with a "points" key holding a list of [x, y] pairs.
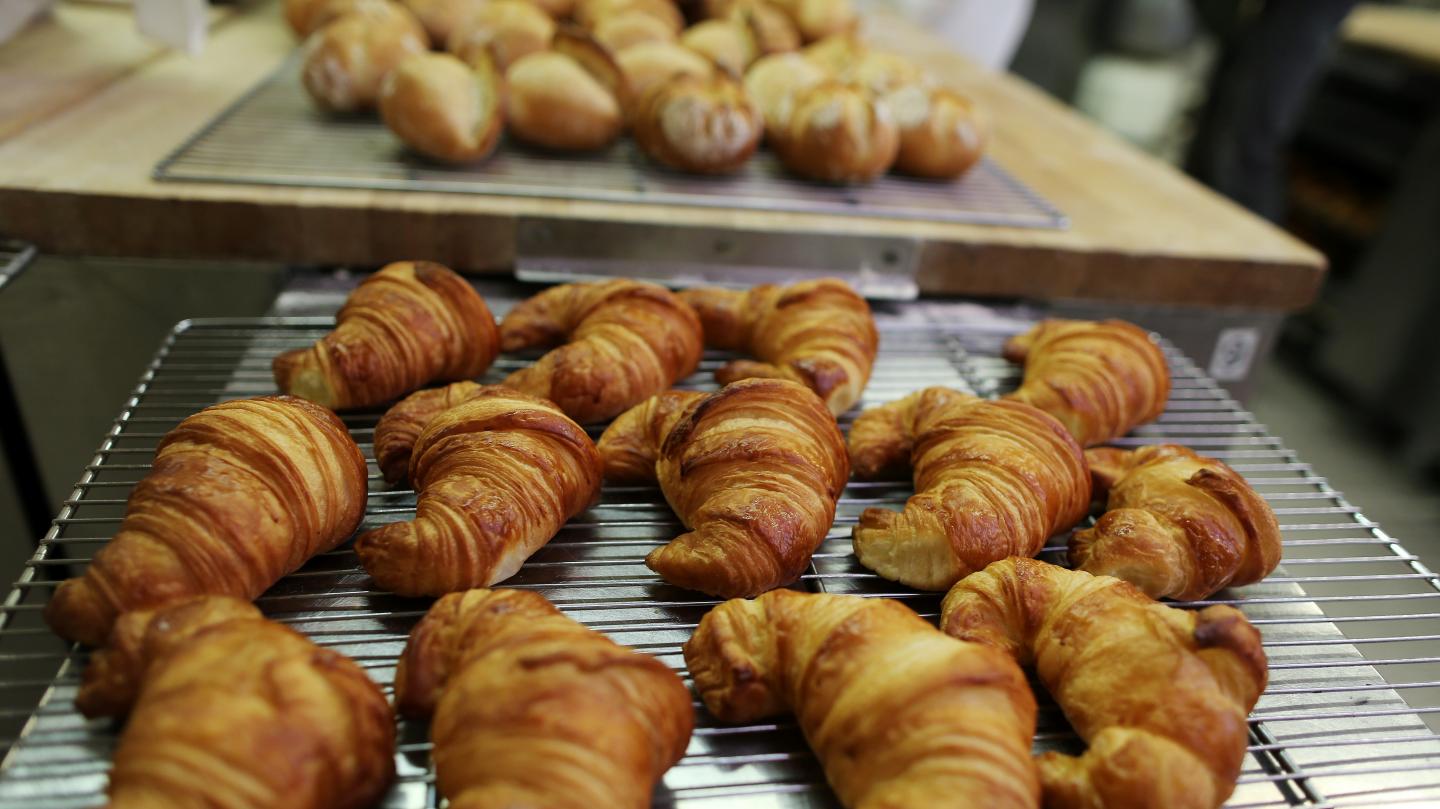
{"points": [[274, 135], [1346, 619]]}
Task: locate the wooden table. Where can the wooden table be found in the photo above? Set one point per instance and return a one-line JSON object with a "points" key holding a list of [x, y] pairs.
{"points": [[75, 178]]}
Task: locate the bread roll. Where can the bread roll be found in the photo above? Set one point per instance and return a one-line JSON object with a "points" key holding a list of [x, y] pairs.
{"points": [[552, 101], [727, 44], [773, 83], [838, 134], [941, 135], [883, 73], [699, 125], [441, 18], [557, 9], [771, 29], [632, 27], [589, 13], [305, 17], [505, 31], [647, 65], [346, 61], [837, 55], [597, 60], [443, 108], [818, 19]]}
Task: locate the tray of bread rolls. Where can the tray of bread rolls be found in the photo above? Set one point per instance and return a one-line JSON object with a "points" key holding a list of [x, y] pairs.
{"points": [[615, 101], [936, 555]]}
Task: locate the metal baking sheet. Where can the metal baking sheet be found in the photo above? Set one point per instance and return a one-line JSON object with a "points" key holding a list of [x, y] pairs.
{"points": [[274, 135], [1332, 730]]}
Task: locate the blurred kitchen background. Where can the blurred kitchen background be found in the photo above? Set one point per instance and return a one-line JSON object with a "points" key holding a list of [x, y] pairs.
{"points": [[1320, 115]]}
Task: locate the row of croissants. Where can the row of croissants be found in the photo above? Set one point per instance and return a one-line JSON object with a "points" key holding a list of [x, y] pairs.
{"points": [[574, 76], [899, 713]]}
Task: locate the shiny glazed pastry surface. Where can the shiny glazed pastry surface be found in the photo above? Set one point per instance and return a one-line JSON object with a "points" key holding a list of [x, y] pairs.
{"points": [[1101, 379], [615, 344], [531, 709], [238, 495], [496, 477], [898, 714], [818, 333], [992, 479], [1177, 524], [1159, 694], [229, 709], [409, 324]]}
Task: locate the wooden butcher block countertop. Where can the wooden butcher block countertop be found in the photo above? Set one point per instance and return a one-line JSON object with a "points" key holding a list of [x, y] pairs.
{"points": [[88, 110]]}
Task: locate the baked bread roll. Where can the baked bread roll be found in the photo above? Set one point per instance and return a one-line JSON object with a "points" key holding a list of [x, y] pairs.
{"points": [[819, 333], [557, 9], [631, 27], [818, 19], [580, 720], [1177, 525], [941, 134], [504, 31], [727, 44], [345, 62], [651, 64], [305, 17], [411, 323], [898, 714], [229, 709], [1100, 379], [401, 426], [699, 125], [879, 72], [590, 13], [495, 476], [443, 108], [992, 479], [774, 82], [239, 495], [754, 471], [1159, 694], [837, 133], [771, 29], [442, 18], [616, 344], [554, 102], [837, 55]]}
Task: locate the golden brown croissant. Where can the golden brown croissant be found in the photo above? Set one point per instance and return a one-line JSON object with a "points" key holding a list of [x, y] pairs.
{"points": [[898, 714], [239, 495], [445, 108], [623, 342], [496, 477], [400, 427], [1100, 379], [230, 709], [1160, 694], [754, 471], [1178, 525], [411, 323], [630, 447], [534, 710], [699, 125], [992, 479], [818, 333], [347, 59]]}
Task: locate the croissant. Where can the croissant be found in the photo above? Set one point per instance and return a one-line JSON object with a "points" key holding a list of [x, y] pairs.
{"points": [[754, 471], [445, 108], [239, 495], [630, 446], [496, 476], [992, 479], [411, 323], [346, 60], [581, 721], [699, 125], [818, 333], [1099, 379], [1159, 694], [1178, 525], [624, 341], [898, 714], [230, 709]]}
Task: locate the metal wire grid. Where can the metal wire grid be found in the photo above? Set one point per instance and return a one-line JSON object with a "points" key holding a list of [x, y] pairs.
{"points": [[14, 257], [1330, 731], [274, 136]]}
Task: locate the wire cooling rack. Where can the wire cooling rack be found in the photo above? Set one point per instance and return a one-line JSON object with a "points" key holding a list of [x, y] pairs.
{"points": [[1346, 619], [274, 136]]}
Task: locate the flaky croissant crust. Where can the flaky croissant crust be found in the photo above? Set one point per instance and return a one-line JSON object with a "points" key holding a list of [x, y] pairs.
{"points": [[230, 709], [239, 495], [623, 342], [898, 714], [1160, 695], [818, 333], [581, 722], [1177, 525]]}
